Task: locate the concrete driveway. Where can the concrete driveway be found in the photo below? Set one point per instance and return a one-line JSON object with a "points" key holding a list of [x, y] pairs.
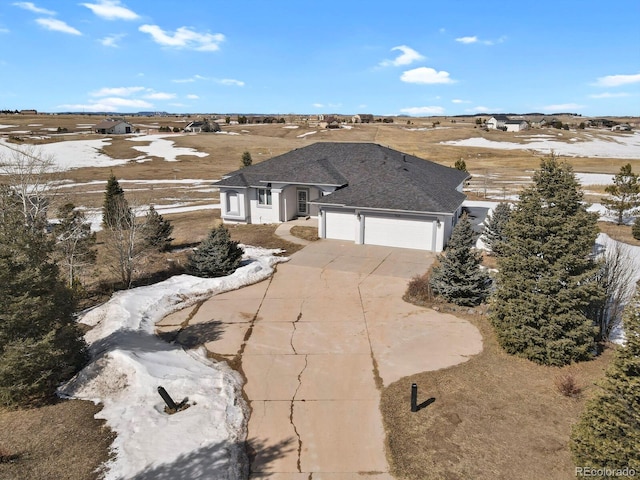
{"points": [[317, 343]]}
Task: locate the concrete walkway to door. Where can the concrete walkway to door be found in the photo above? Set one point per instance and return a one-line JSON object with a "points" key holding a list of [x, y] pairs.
{"points": [[318, 342]]}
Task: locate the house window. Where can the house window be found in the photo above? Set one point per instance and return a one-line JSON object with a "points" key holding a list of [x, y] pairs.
{"points": [[233, 204], [264, 196]]}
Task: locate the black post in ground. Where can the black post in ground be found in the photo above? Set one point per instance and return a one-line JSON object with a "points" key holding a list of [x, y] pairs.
{"points": [[414, 397], [167, 399]]}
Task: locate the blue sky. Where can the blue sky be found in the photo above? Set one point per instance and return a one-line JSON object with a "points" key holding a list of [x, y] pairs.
{"points": [[294, 56]]}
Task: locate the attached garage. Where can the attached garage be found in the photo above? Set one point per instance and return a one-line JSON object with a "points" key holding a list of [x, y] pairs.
{"points": [[392, 231], [341, 225]]}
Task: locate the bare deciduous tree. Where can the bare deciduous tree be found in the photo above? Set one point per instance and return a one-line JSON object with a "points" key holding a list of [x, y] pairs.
{"points": [[616, 276], [30, 173], [125, 242]]}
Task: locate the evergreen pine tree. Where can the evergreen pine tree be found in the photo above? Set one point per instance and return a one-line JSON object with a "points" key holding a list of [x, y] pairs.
{"points": [[40, 343], [461, 165], [546, 280], [157, 231], [459, 278], [635, 229], [624, 194], [246, 159], [493, 234], [608, 432], [115, 208], [216, 256]]}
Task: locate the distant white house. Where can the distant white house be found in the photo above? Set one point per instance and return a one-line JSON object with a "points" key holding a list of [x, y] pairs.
{"points": [[497, 122], [194, 127], [113, 126], [623, 127], [516, 125]]}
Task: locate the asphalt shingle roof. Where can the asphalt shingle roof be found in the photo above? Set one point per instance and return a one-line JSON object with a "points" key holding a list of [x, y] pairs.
{"points": [[367, 176]]}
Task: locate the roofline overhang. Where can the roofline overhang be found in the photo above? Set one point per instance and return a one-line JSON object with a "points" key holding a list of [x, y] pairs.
{"points": [[310, 184], [386, 210]]}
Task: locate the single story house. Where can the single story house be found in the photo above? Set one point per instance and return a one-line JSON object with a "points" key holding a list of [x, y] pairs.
{"points": [[112, 126], [497, 121], [516, 125], [362, 192], [194, 127], [623, 127]]}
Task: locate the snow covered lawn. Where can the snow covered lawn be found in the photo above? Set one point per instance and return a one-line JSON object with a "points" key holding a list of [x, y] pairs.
{"points": [[129, 362]]}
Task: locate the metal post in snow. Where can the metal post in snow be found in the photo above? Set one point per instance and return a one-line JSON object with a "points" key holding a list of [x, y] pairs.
{"points": [[167, 399]]}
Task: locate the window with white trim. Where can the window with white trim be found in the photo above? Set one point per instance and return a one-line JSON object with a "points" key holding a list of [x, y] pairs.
{"points": [[264, 196]]}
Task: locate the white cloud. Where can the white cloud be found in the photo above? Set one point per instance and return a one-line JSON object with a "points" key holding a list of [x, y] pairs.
{"points": [[32, 8], [112, 40], [109, 105], [423, 110], [609, 95], [457, 100], [473, 39], [318, 105], [111, 10], [408, 56], [426, 75], [57, 26], [117, 91], [160, 96], [232, 82], [617, 80], [4, 30], [193, 97], [480, 109], [184, 38], [562, 107]]}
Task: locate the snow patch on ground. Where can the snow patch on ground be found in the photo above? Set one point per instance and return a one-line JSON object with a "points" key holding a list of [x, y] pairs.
{"points": [[163, 148], [128, 364], [305, 134], [607, 146]]}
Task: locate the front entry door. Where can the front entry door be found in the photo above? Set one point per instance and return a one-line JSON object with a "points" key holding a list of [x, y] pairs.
{"points": [[303, 206]]}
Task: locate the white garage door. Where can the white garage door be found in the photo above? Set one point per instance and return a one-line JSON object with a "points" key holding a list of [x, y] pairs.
{"points": [[398, 232], [341, 226]]}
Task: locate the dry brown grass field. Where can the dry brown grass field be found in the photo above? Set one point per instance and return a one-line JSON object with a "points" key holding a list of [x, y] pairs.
{"points": [[494, 417]]}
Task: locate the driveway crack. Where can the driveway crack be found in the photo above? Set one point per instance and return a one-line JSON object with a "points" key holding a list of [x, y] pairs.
{"points": [[293, 400], [293, 332]]}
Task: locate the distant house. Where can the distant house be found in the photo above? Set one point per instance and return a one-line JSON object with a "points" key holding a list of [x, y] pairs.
{"points": [[361, 192], [362, 118], [623, 127], [516, 125], [194, 127], [497, 122], [203, 126], [330, 122], [28, 112], [113, 127]]}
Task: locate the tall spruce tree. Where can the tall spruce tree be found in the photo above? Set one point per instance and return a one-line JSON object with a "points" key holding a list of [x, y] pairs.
{"points": [[157, 231], [546, 278], [608, 432], [459, 278], [624, 193], [40, 343], [493, 234], [216, 256], [115, 208], [635, 228]]}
